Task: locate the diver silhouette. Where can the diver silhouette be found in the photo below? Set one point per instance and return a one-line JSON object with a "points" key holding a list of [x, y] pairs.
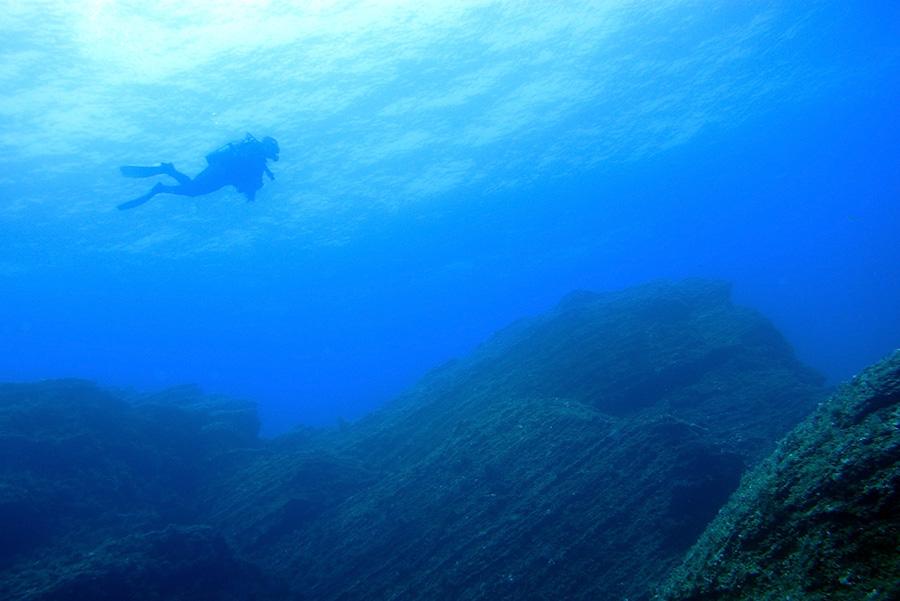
{"points": [[239, 164]]}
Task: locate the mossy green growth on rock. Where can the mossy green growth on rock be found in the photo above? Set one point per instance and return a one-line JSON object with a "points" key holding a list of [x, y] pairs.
{"points": [[820, 518]]}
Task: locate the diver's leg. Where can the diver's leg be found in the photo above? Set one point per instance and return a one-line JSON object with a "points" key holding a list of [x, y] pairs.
{"points": [[161, 169], [196, 187], [193, 187], [141, 171], [207, 181], [170, 170]]}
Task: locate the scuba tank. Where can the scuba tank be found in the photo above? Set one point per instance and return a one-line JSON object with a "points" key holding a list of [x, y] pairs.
{"points": [[231, 150]]}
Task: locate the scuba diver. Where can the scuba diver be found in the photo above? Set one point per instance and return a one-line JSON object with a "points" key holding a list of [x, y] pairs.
{"points": [[239, 164]]}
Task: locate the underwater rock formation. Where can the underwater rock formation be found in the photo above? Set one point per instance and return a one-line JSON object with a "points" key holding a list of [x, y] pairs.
{"points": [[179, 563], [819, 518], [575, 455], [92, 485]]}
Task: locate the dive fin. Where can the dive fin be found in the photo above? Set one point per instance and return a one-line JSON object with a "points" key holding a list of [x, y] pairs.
{"points": [[132, 203], [136, 202], [138, 171]]}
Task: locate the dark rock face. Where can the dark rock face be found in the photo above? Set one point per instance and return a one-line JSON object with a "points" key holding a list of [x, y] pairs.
{"points": [[820, 518], [576, 455], [177, 563], [91, 485]]}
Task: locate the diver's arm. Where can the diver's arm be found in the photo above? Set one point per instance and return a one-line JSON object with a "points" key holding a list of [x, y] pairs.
{"points": [[269, 173]]}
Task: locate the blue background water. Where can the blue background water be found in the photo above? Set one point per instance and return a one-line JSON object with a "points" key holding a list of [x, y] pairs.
{"points": [[443, 172]]}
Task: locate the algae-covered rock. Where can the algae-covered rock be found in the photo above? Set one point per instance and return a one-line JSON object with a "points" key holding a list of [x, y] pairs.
{"points": [[176, 564], [820, 518], [683, 348], [80, 466], [575, 455]]}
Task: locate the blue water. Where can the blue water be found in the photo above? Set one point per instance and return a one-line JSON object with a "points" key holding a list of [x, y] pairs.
{"points": [[443, 172]]}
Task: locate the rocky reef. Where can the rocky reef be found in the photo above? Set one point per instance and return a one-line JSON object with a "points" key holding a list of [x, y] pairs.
{"points": [[819, 518], [99, 491], [574, 455]]}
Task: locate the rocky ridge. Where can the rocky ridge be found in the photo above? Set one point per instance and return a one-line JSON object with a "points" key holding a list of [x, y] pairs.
{"points": [[820, 517], [574, 455]]}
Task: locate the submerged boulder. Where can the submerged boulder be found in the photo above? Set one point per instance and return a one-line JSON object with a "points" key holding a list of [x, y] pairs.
{"points": [[820, 518], [176, 564], [575, 455], [81, 466]]}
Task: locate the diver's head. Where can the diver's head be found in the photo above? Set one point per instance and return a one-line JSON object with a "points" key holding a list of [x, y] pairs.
{"points": [[270, 147]]}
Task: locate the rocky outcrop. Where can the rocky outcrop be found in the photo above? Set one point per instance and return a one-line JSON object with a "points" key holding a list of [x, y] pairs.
{"points": [[820, 518], [575, 455], [98, 491], [177, 563]]}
